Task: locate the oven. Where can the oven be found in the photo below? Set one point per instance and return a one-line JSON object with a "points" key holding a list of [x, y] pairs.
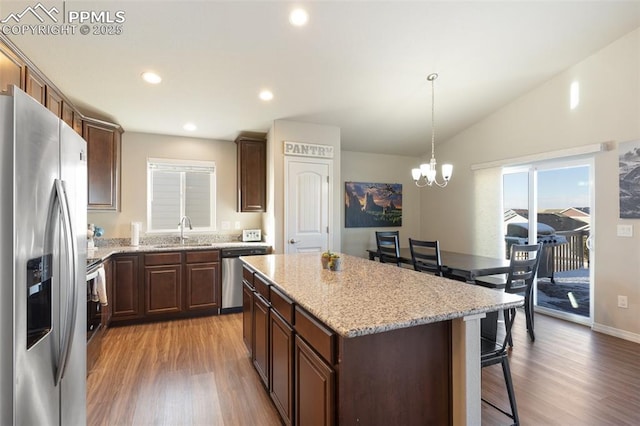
{"points": [[94, 312]]}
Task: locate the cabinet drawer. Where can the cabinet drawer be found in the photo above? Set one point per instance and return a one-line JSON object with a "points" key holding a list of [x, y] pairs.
{"points": [[321, 338], [247, 274], [162, 258], [262, 286], [203, 256], [282, 304]]}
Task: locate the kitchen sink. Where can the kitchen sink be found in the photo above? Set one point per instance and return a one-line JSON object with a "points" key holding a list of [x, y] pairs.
{"points": [[178, 245]]}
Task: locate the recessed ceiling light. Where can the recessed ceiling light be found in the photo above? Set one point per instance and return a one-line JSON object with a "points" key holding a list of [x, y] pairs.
{"points": [[298, 17], [151, 77], [190, 127], [266, 95]]}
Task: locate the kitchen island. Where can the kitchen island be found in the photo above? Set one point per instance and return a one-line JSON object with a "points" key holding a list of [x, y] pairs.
{"points": [[370, 344]]}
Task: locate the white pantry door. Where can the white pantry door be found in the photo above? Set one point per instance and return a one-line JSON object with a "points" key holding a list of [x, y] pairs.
{"points": [[307, 198]]}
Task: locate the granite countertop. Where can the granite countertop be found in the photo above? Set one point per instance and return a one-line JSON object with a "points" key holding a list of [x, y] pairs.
{"points": [[368, 297], [103, 253]]}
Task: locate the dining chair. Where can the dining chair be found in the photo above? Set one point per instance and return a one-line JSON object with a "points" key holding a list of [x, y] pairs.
{"points": [[494, 351], [522, 271], [425, 256], [388, 246]]}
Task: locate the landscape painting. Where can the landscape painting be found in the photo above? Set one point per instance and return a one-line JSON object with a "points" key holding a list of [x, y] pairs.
{"points": [[372, 204], [629, 166]]}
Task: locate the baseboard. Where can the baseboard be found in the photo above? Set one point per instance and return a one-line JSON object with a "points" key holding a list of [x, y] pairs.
{"points": [[616, 332]]}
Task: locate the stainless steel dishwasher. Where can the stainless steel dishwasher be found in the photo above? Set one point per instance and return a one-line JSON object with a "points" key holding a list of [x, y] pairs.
{"points": [[232, 276]]}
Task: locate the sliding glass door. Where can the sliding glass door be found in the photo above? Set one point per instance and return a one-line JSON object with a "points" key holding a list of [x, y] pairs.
{"points": [[559, 194]]}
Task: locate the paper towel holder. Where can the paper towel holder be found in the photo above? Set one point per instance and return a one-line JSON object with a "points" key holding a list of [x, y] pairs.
{"points": [[135, 233]]}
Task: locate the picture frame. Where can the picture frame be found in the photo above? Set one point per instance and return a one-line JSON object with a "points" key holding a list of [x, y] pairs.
{"points": [[629, 172], [370, 204]]}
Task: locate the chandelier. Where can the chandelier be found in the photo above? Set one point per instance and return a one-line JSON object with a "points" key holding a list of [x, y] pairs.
{"points": [[426, 174]]}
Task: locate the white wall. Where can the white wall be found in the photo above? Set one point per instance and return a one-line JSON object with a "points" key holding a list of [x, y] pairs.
{"points": [[468, 212], [137, 147], [378, 168], [294, 131]]}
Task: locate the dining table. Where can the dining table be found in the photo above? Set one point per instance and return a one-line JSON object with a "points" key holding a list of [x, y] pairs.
{"points": [[461, 266]]}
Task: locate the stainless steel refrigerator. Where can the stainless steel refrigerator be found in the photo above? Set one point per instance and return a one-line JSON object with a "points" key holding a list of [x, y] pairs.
{"points": [[43, 223]]}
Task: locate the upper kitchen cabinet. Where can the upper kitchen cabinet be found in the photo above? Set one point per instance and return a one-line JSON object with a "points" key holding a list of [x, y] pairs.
{"points": [[72, 117], [103, 138], [54, 102], [35, 86], [103, 164], [252, 172], [10, 69]]}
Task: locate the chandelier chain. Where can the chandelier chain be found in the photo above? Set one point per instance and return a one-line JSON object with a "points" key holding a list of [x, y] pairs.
{"points": [[432, 78]]}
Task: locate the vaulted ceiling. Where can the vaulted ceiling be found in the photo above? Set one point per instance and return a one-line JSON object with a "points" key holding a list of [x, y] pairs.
{"points": [[359, 65]]}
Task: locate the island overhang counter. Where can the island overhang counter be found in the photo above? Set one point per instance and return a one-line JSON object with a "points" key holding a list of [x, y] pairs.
{"points": [[393, 346]]}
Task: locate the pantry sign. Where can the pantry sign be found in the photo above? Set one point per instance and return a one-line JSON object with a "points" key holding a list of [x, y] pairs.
{"points": [[302, 149]]}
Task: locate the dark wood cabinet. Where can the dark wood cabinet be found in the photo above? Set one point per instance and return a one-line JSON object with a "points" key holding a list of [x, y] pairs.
{"points": [[162, 283], [314, 387], [103, 138], [247, 317], [203, 277], [126, 288], [11, 69], [281, 367], [54, 102], [35, 86], [107, 309], [163, 289], [173, 284], [103, 164], [318, 377], [252, 172], [261, 337], [297, 373], [72, 117]]}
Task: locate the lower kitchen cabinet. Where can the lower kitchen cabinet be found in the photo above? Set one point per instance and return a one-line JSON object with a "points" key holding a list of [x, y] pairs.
{"points": [[314, 387], [126, 288], [298, 374], [247, 317], [202, 275], [319, 377], [281, 368], [107, 309], [261, 337], [163, 288], [165, 285]]}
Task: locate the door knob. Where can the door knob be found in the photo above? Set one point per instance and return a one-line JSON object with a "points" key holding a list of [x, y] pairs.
{"points": [[293, 241]]}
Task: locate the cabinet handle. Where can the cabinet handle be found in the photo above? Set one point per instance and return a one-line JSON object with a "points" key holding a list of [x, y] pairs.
{"points": [[293, 241]]}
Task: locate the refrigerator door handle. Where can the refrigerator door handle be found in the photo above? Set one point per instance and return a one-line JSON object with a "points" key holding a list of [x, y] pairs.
{"points": [[72, 295]]}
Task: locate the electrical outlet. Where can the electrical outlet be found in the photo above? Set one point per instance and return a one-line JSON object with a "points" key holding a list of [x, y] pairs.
{"points": [[226, 225], [622, 302], [251, 235], [625, 230], [237, 225]]}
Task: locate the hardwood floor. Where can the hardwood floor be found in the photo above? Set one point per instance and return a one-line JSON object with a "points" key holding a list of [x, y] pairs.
{"points": [[197, 372], [569, 376], [186, 372]]}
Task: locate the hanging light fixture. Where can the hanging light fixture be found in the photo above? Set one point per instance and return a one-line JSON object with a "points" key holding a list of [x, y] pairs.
{"points": [[426, 174]]}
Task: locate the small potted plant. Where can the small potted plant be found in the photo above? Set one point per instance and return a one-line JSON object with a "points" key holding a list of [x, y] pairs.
{"points": [[335, 262], [326, 256]]}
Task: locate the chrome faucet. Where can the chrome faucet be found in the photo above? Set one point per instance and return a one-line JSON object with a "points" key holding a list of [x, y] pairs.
{"points": [[184, 220]]}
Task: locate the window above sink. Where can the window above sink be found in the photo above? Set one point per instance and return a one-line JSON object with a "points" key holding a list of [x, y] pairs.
{"points": [[177, 188]]}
